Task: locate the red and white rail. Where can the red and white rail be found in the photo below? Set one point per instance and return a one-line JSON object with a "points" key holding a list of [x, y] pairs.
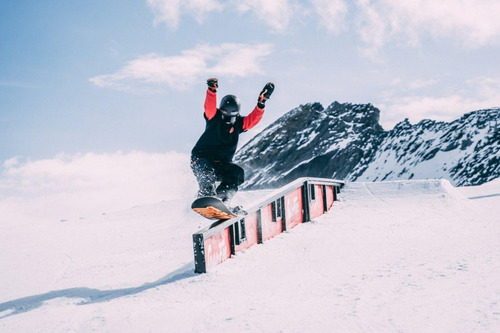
{"points": [[297, 202]]}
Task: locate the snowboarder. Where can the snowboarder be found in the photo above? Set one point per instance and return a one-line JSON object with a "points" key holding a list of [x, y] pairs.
{"points": [[211, 157]]}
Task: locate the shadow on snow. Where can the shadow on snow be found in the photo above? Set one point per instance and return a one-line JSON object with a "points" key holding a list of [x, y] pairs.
{"points": [[89, 295]]}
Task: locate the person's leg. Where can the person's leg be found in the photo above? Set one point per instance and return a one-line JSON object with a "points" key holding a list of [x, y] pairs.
{"points": [[204, 172], [231, 176]]}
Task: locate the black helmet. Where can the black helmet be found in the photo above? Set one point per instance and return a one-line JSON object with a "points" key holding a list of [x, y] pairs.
{"points": [[230, 108], [230, 105]]}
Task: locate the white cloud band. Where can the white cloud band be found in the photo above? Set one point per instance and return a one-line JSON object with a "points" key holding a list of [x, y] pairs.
{"points": [[169, 11], [72, 186], [480, 93], [473, 23], [153, 71]]}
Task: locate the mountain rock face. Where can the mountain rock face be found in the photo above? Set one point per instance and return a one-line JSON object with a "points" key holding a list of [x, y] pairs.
{"points": [[346, 141]]}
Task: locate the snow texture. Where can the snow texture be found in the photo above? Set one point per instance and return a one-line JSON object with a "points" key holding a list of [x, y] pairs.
{"points": [[395, 256]]}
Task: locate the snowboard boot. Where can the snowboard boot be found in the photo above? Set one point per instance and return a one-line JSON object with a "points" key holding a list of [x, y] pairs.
{"points": [[237, 210]]}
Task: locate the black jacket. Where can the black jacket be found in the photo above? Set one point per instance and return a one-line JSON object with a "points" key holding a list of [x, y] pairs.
{"points": [[220, 140]]}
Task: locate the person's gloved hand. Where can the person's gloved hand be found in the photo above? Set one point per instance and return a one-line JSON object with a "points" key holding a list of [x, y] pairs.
{"points": [[213, 84], [265, 94]]}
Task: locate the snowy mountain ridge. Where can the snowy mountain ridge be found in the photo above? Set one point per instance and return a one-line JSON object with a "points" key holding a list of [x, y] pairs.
{"points": [[346, 141]]}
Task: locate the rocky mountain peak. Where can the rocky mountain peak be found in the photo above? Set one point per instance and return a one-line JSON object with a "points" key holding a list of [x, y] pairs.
{"points": [[346, 141]]}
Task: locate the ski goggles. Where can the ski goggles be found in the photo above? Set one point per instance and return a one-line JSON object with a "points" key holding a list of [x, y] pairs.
{"points": [[229, 119]]}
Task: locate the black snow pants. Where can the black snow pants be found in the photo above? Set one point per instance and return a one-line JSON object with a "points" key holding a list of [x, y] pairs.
{"points": [[209, 171]]}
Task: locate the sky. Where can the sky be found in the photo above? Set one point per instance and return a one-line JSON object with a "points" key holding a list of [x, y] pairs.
{"points": [[80, 77]]}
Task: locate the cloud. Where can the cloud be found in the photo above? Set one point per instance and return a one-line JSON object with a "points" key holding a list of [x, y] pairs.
{"points": [[473, 23], [419, 84], [152, 71], [480, 93], [372, 29], [72, 186], [169, 11], [238, 60], [332, 14], [276, 13]]}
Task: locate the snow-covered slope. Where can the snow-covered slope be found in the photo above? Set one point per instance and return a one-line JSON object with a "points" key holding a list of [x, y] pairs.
{"points": [[412, 256], [465, 151], [345, 141]]}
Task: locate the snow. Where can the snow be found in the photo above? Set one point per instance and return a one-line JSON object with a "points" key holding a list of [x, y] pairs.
{"points": [[298, 165], [306, 137], [462, 151], [339, 145], [395, 256]]}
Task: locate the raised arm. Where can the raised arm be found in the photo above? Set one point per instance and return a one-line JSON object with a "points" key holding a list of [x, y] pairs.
{"points": [[253, 118], [211, 98], [256, 115]]}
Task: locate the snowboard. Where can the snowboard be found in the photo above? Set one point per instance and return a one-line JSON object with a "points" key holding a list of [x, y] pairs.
{"points": [[212, 208]]}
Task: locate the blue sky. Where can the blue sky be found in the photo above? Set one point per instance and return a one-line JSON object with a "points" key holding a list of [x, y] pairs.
{"points": [[104, 76]]}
